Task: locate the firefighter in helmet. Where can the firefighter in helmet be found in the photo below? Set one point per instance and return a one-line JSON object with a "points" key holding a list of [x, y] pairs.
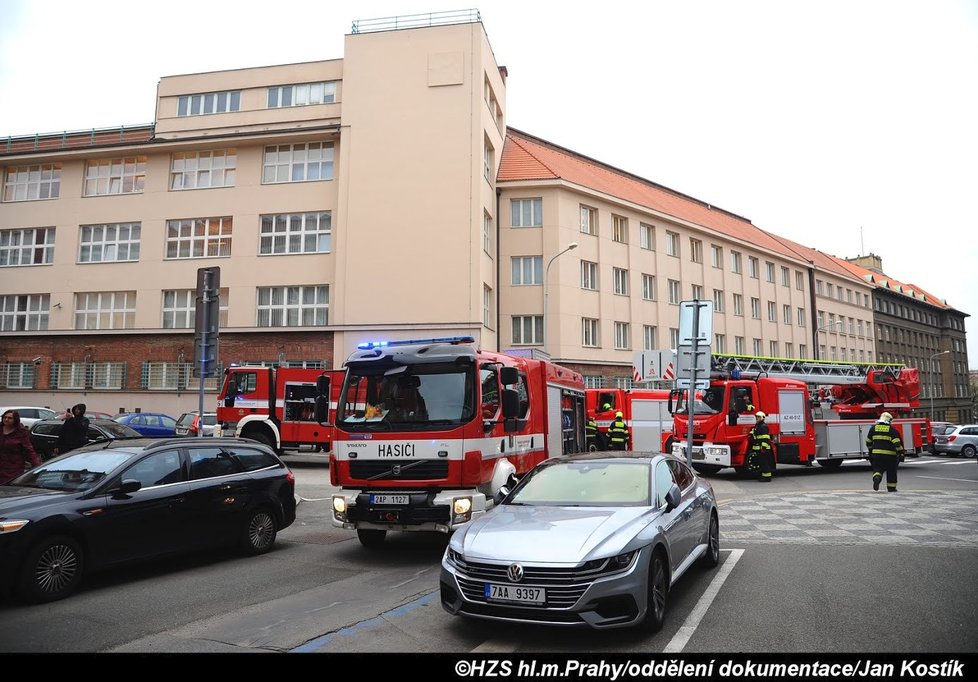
{"points": [[591, 434], [885, 447], [760, 455], [618, 433]]}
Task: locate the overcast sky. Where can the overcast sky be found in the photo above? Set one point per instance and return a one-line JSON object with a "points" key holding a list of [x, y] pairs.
{"points": [[850, 126]]}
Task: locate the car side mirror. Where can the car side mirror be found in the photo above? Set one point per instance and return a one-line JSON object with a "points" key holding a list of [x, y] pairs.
{"points": [[127, 487], [673, 497]]}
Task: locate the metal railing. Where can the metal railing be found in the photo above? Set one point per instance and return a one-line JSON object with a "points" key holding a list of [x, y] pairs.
{"points": [[70, 139], [465, 16]]}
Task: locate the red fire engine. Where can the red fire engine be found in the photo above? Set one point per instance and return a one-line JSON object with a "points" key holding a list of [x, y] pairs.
{"points": [[428, 431], [723, 414], [276, 406], [645, 411]]}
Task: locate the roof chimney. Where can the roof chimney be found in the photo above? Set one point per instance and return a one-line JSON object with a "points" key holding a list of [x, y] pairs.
{"points": [[871, 262]]}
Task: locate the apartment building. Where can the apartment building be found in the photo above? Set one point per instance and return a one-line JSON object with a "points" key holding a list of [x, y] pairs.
{"points": [[379, 195]]}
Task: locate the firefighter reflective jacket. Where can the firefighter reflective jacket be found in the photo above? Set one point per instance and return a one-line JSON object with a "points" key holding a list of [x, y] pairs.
{"points": [[760, 438], [618, 432], [884, 440]]}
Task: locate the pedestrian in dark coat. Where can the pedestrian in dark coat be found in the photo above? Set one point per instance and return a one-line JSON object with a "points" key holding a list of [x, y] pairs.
{"points": [[74, 432], [16, 450]]}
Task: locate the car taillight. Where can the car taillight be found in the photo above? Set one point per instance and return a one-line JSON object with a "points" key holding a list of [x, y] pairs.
{"points": [[950, 439], [290, 477]]}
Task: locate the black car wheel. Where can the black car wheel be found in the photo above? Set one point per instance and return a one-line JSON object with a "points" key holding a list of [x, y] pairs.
{"points": [[52, 570], [258, 534], [968, 451], [658, 589], [370, 537], [712, 556]]}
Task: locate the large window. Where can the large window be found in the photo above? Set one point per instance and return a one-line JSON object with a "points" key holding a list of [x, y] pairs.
{"points": [[753, 265], [619, 229], [125, 175], [180, 308], [31, 246], [620, 277], [650, 337], [674, 293], [589, 332], [302, 94], [200, 170], [105, 310], [738, 300], [527, 329], [672, 244], [755, 308], [646, 235], [487, 232], [198, 238], [772, 311], [589, 220], [487, 306], [527, 212], [24, 312], [695, 250], [209, 103], [32, 183], [623, 339], [589, 275], [298, 162], [648, 287], [288, 233], [298, 306], [112, 242], [735, 262], [527, 270], [718, 300]]}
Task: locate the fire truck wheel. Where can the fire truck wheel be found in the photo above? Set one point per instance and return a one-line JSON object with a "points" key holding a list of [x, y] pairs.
{"points": [[371, 538], [832, 464], [707, 469], [658, 587], [260, 437], [711, 558]]}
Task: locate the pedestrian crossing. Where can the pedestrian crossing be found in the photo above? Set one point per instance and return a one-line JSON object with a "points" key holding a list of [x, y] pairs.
{"points": [[938, 518]]}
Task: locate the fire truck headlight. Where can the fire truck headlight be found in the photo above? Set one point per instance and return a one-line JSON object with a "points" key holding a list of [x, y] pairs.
{"points": [[461, 509], [713, 451], [339, 507]]}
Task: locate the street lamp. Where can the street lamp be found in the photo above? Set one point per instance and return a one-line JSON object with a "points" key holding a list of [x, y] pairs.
{"points": [[822, 329], [546, 289], [932, 386]]}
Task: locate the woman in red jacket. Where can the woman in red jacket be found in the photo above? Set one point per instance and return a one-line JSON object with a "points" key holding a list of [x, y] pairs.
{"points": [[15, 447]]}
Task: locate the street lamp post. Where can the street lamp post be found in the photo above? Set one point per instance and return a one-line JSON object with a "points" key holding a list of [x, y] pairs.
{"points": [[822, 329], [546, 289], [932, 384]]}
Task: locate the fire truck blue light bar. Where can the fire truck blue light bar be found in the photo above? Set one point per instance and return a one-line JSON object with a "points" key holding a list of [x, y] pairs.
{"points": [[408, 342]]}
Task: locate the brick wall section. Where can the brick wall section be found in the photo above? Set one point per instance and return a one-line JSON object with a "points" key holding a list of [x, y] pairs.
{"points": [[136, 349]]}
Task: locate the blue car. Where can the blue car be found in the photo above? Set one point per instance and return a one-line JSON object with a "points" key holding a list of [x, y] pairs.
{"points": [[151, 424]]}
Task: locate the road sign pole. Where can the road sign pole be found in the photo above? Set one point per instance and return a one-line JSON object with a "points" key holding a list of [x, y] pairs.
{"points": [[691, 391]]}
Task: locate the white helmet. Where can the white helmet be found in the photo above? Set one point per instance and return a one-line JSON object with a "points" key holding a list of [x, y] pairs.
{"points": [[886, 417], [760, 416]]}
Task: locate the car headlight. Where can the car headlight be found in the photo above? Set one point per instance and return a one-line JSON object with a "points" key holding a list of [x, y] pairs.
{"points": [[621, 561], [12, 525], [454, 558]]}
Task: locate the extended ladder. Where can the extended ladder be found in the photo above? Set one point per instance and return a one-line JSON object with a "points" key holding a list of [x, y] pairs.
{"points": [[819, 372]]}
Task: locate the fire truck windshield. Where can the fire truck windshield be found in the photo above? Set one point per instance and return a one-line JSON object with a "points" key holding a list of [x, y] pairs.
{"points": [[706, 402], [406, 398]]}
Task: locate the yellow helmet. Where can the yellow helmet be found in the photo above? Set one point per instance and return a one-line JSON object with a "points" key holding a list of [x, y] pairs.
{"points": [[618, 414], [760, 416], [886, 417]]}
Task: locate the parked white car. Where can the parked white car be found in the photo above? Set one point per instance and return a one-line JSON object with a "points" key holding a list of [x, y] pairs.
{"points": [[30, 414]]}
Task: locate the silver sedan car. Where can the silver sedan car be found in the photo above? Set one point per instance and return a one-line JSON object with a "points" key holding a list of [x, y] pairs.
{"points": [[595, 539]]}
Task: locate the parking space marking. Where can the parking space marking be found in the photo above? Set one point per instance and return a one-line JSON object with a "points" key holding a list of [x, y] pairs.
{"points": [[686, 630], [941, 478]]}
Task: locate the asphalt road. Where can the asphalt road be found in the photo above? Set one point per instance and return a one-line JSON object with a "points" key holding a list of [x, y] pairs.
{"points": [[813, 562]]}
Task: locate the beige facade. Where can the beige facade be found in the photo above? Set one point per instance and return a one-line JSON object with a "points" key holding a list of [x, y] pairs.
{"points": [[367, 197]]}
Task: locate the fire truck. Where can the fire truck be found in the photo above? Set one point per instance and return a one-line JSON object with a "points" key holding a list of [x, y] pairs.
{"points": [[428, 431], [645, 411], [276, 406], [723, 413]]}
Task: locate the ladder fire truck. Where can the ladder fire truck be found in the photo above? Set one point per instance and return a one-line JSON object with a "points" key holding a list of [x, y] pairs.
{"points": [[428, 431], [276, 406], [739, 386], [645, 411]]}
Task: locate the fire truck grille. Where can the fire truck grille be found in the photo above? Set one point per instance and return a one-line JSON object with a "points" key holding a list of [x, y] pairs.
{"points": [[564, 586], [406, 469]]}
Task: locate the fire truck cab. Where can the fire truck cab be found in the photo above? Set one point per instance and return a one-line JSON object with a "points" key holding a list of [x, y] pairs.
{"points": [[429, 431]]}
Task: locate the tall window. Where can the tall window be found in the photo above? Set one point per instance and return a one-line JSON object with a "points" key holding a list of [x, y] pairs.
{"points": [[487, 306], [785, 277], [648, 287], [527, 212], [720, 341], [112, 242], [673, 337], [769, 271], [527, 270], [302, 94], [295, 306], [646, 235], [589, 220], [487, 232], [738, 300], [695, 250], [209, 103], [758, 348], [697, 292], [755, 308], [622, 336], [198, 238], [773, 350], [180, 308], [527, 329], [650, 337], [739, 346], [786, 314], [802, 350], [674, 294], [772, 311], [32, 183], [488, 160], [818, 287], [619, 229], [298, 162], [200, 170], [24, 312], [105, 310], [799, 280], [716, 256], [589, 332], [672, 244], [753, 266], [589, 275], [620, 277], [735, 262], [125, 175], [718, 300], [801, 317], [31, 246], [289, 233]]}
